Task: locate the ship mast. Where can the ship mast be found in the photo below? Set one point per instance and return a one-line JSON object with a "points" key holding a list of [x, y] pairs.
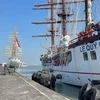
{"points": [[52, 26], [88, 4], [52, 35], [63, 15], [14, 48], [63, 18]]}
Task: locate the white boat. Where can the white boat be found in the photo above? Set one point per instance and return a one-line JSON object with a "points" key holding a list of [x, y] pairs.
{"points": [[14, 52], [23, 64], [75, 59]]}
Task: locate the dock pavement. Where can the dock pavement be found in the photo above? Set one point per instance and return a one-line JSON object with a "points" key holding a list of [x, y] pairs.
{"points": [[18, 87]]}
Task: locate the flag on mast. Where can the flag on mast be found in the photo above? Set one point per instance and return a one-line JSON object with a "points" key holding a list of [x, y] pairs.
{"points": [[18, 45]]}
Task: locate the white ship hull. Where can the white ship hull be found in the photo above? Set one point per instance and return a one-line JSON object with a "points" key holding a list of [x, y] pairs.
{"points": [[75, 59], [79, 71], [14, 63]]}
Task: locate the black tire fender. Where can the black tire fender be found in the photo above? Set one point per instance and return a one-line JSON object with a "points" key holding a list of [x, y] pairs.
{"points": [[95, 82], [91, 94], [83, 90]]}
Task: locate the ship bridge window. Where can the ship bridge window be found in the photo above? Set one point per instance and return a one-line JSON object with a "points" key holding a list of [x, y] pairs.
{"points": [[85, 55], [93, 55]]}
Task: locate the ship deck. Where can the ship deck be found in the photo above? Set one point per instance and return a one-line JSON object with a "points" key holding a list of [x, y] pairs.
{"points": [[18, 87]]}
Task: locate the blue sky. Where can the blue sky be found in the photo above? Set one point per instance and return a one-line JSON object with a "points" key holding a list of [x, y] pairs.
{"points": [[19, 14]]}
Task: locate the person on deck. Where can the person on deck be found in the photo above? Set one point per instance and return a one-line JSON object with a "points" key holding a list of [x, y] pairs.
{"points": [[97, 27], [5, 69]]}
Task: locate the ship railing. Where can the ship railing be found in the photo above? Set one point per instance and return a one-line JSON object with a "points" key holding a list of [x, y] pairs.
{"points": [[73, 41]]}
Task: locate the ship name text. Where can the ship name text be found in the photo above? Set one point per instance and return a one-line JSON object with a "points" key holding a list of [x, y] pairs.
{"points": [[89, 47]]}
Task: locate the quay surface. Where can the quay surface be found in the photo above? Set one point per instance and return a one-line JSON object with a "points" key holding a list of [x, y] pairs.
{"points": [[18, 87]]}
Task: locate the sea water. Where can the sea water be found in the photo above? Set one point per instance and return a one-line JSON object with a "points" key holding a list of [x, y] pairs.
{"points": [[69, 91]]}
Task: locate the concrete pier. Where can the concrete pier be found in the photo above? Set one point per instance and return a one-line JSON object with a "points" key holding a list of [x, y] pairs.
{"points": [[18, 87]]}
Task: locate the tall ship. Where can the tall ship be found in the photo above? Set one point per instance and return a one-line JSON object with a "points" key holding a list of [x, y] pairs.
{"points": [[13, 52], [75, 59]]}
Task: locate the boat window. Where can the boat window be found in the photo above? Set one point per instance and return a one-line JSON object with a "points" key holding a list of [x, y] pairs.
{"points": [[85, 55], [93, 55], [68, 56]]}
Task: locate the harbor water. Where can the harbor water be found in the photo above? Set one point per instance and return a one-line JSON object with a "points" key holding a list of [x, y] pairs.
{"points": [[69, 91]]}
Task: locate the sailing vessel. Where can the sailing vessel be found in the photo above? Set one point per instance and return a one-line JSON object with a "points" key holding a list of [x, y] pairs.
{"points": [[75, 60], [14, 52]]}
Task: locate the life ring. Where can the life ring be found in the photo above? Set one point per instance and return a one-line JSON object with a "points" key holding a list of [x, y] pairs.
{"points": [[91, 94], [95, 82], [83, 90]]}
